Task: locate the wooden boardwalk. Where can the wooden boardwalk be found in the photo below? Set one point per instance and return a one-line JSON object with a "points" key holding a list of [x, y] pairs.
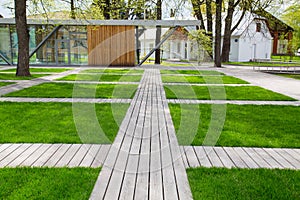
{"points": [[144, 162], [94, 155]]}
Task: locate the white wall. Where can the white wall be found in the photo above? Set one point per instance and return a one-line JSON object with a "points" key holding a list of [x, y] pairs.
{"points": [[254, 45]]}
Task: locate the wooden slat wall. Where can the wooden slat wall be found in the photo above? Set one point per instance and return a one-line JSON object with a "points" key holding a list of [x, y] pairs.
{"points": [[111, 45]]}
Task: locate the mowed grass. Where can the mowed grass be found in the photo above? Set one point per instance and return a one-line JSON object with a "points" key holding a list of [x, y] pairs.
{"points": [[12, 76], [244, 184], [68, 90], [102, 77], [223, 93], [51, 70], [119, 71], [198, 72], [47, 183], [202, 80], [244, 125], [4, 84], [55, 122], [294, 76]]}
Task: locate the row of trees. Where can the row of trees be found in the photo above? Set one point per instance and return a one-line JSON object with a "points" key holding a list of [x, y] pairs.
{"points": [[204, 10]]}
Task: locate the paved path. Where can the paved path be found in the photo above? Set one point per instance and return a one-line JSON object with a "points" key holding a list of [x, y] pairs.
{"points": [[63, 100], [144, 161], [287, 86]]}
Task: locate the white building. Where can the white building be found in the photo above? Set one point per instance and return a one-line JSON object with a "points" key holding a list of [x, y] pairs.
{"points": [[251, 40]]}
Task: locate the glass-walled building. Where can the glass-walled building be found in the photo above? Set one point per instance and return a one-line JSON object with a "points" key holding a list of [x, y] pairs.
{"points": [[66, 46], [93, 42]]}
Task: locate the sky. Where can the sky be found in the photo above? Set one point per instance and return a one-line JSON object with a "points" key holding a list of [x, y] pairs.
{"points": [[5, 12]]}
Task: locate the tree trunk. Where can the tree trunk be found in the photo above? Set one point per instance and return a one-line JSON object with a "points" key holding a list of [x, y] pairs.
{"points": [[23, 38], [227, 32], [72, 14], [209, 24], [218, 30], [197, 10], [158, 31]]}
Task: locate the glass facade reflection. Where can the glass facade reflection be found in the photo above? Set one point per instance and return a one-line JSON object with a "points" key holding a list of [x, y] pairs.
{"points": [[67, 46]]}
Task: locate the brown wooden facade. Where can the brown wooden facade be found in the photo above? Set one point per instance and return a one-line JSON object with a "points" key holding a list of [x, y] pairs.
{"points": [[111, 45]]}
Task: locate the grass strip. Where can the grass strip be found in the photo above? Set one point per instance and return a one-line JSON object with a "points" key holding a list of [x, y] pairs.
{"points": [[5, 83], [68, 90], [47, 183], [53, 70], [6, 76], [204, 80], [245, 125], [199, 72], [223, 93], [119, 71], [244, 184], [55, 122], [102, 77]]}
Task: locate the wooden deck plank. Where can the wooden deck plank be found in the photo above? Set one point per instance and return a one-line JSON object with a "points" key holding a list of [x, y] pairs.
{"points": [[57, 155], [245, 157], [235, 157], [288, 157], [202, 157], [213, 157], [101, 155], [224, 157], [192, 159], [273, 163], [279, 158], [9, 150], [47, 155], [15, 154], [65, 159], [4, 146], [80, 154], [258, 159], [24, 155], [184, 157], [35, 155], [90, 156]]}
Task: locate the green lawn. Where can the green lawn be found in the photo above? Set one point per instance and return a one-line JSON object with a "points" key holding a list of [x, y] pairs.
{"points": [[68, 90], [55, 122], [119, 71], [245, 125], [51, 70], [201, 79], [12, 76], [102, 77], [222, 93], [47, 183], [4, 84], [295, 76], [200, 72], [244, 184]]}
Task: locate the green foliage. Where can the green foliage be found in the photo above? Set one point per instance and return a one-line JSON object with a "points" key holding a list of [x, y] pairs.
{"points": [[47, 183], [203, 41], [292, 17], [244, 184]]}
